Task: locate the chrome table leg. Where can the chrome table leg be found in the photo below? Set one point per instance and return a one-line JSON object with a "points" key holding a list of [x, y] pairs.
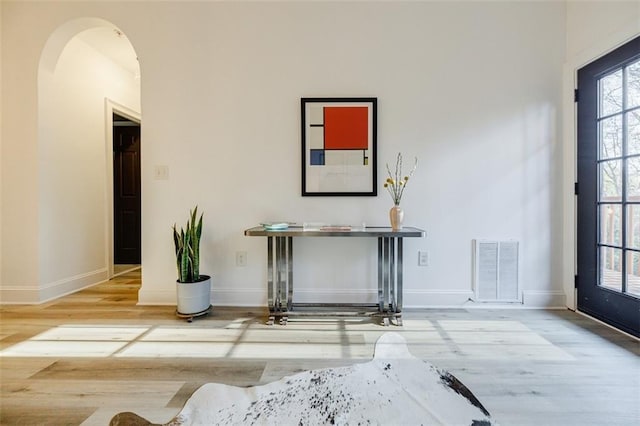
{"points": [[290, 273], [270, 283], [380, 275]]}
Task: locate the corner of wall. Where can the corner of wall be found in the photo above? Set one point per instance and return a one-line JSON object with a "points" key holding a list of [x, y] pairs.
{"points": [[72, 284]]}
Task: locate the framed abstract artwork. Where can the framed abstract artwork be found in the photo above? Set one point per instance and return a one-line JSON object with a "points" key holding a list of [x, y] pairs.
{"points": [[339, 146]]}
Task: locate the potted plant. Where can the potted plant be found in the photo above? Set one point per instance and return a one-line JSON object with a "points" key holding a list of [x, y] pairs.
{"points": [[192, 289]]}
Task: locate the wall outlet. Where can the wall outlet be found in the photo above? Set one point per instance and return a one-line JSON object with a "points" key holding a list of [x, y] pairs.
{"points": [[423, 258], [161, 172], [241, 258]]}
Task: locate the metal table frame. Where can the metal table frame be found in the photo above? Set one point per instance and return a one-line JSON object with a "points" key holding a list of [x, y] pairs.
{"points": [[280, 274]]}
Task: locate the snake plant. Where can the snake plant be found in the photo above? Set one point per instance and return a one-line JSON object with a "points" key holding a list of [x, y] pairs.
{"points": [[187, 244]]}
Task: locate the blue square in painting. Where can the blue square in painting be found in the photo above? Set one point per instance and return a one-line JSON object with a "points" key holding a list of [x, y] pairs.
{"points": [[317, 157]]}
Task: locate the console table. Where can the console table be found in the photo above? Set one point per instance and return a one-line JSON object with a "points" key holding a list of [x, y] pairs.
{"points": [[280, 289]]}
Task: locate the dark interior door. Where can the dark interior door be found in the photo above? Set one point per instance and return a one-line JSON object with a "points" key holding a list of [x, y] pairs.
{"points": [[127, 191], [609, 188]]}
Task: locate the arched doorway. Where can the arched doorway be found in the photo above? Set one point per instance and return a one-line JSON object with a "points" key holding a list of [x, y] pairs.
{"points": [[88, 71]]}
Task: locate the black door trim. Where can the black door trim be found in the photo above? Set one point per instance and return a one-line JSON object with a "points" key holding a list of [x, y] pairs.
{"points": [[617, 309]]}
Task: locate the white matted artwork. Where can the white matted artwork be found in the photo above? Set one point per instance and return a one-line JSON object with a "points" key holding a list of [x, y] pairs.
{"points": [[339, 146]]}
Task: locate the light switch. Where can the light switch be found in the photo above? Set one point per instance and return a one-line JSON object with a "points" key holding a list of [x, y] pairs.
{"points": [[423, 258], [241, 258], [161, 172]]}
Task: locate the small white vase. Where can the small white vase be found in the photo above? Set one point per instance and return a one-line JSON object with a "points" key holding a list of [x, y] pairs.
{"points": [[396, 216]]}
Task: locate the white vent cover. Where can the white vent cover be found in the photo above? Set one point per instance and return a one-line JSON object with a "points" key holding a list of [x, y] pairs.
{"points": [[495, 277]]}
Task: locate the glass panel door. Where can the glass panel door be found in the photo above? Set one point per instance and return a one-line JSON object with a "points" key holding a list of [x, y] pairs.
{"points": [[609, 188]]}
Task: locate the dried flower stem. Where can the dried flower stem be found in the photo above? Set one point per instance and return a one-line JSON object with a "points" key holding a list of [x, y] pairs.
{"points": [[396, 183]]}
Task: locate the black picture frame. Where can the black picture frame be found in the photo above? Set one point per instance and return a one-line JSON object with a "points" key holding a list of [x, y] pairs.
{"points": [[339, 146]]}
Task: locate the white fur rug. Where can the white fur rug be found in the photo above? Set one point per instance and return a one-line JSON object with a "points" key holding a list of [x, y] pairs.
{"points": [[395, 388]]}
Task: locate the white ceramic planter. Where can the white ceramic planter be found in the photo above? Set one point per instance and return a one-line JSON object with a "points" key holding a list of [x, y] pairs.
{"points": [[194, 298]]}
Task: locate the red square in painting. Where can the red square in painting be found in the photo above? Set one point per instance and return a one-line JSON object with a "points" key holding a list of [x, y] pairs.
{"points": [[346, 128]]}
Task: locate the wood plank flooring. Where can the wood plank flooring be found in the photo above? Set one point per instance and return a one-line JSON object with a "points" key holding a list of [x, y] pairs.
{"points": [[85, 357]]}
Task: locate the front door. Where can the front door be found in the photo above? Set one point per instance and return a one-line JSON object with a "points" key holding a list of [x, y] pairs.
{"points": [[609, 188], [127, 191]]}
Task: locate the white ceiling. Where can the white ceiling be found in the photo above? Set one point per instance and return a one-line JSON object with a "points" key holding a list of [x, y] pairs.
{"points": [[113, 44]]}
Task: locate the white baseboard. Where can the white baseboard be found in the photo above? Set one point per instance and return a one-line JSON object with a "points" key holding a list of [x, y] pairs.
{"points": [[257, 297], [19, 295], [156, 297], [414, 298], [39, 294], [530, 300], [246, 297], [336, 296], [544, 299]]}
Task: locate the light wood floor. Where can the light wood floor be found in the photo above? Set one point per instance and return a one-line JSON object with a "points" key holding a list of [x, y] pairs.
{"points": [[120, 268], [85, 357]]}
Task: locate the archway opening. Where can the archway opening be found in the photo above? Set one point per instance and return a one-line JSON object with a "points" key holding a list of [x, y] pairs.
{"points": [[88, 71]]}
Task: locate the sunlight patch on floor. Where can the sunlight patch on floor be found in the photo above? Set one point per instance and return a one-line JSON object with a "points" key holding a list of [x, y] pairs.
{"points": [[91, 333], [247, 339], [62, 348]]}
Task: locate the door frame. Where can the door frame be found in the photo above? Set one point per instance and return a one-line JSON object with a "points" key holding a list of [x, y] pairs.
{"points": [[110, 108], [616, 307], [604, 45]]}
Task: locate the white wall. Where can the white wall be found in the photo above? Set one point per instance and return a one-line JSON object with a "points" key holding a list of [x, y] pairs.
{"points": [[19, 158], [1, 115], [54, 158], [74, 165], [472, 89], [592, 26], [593, 29]]}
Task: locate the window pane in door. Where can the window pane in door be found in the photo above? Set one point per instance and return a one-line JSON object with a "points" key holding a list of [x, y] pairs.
{"points": [[633, 132], [633, 226], [633, 84], [611, 94], [611, 137], [611, 180], [611, 224], [633, 178], [633, 273], [611, 268]]}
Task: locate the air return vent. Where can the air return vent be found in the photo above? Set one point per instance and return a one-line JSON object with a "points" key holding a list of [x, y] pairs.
{"points": [[495, 265]]}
